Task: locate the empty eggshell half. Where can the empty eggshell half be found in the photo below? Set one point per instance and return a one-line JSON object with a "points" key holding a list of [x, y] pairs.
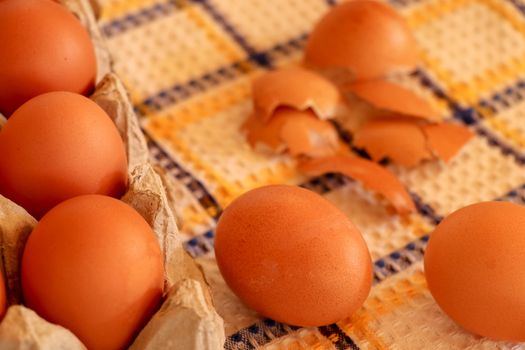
{"points": [[365, 37], [446, 139], [373, 177], [298, 88], [399, 139], [391, 97]]}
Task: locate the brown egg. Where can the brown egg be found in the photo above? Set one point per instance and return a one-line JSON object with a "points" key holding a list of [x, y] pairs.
{"points": [[373, 177], [474, 269], [93, 265], [293, 256], [398, 139], [57, 146], [446, 139], [44, 48], [295, 87], [366, 38], [392, 97]]}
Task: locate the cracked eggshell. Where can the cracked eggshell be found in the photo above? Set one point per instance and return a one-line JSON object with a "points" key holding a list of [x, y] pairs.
{"points": [[297, 88], [365, 38], [391, 97], [264, 137], [373, 177], [446, 139], [399, 139], [305, 134]]}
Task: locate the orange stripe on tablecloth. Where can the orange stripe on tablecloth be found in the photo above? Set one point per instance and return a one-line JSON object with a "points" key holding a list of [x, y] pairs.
{"points": [[359, 323]]}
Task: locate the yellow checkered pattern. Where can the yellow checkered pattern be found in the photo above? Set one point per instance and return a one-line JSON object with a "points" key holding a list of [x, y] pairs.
{"points": [[188, 67]]}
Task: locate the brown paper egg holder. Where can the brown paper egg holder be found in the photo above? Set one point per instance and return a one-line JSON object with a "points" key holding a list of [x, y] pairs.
{"points": [[187, 318]]}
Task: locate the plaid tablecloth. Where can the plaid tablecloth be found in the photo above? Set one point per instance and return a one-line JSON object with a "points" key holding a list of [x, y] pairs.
{"points": [[188, 67]]}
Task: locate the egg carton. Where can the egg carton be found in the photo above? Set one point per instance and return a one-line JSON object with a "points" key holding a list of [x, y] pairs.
{"points": [[187, 318]]}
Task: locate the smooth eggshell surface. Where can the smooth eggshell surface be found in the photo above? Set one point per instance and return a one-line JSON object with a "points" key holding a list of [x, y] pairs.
{"points": [[474, 268], [44, 48], [57, 146], [292, 256], [367, 37], [94, 266]]}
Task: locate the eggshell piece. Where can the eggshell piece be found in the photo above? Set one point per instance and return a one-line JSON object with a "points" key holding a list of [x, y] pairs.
{"points": [[400, 140], [94, 266], [446, 139], [373, 177], [393, 97], [44, 48], [305, 134], [295, 87], [293, 256], [264, 136], [474, 268], [60, 145], [368, 38]]}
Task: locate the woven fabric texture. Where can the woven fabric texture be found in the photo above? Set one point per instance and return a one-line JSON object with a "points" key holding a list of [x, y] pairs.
{"points": [[188, 67]]}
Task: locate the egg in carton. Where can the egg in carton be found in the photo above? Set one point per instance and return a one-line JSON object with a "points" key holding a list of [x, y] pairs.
{"points": [[187, 318]]}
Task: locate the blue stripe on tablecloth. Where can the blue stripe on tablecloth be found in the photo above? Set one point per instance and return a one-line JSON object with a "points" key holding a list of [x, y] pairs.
{"points": [[221, 20], [180, 92], [338, 337], [141, 17]]}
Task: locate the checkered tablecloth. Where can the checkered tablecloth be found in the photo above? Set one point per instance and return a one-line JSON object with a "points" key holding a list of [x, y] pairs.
{"points": [[188, 67]]}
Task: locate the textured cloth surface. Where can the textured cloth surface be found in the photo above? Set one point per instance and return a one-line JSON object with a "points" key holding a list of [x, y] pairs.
{"points": [[188, 67]]}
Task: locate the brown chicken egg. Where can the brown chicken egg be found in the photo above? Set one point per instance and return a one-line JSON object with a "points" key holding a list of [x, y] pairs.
{"points": [[293, 256], [474, 269], [295, 87], [44, 48], [93, 265], [365, 38], [60, 145]]}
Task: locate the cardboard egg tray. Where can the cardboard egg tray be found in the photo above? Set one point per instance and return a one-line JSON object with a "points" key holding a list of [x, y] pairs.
{"points": [[187, 319]]}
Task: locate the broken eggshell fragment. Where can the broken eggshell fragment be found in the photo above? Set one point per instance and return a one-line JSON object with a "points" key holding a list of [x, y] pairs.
{"points": [[297, 88], [446, 139], [407, 142], [372, 176], [305, 134], [399, 139], [264, 137], [387, 97], [298, 132], [361, 39]]}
